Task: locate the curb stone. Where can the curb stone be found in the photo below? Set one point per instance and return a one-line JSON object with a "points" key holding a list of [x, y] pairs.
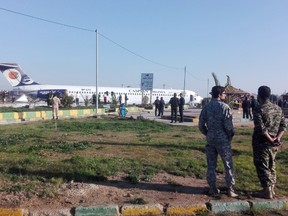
{"points": [[186, 210], [111, 210], [135, 210], [280, 204], [214, 207], [11, 212], [221, 207], [48, 212]]}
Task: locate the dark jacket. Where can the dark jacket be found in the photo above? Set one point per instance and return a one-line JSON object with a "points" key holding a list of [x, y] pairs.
{"points": [[174, 101]]}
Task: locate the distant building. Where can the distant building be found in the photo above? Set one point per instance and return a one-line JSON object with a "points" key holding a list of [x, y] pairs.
{"points": [[234, 95]]}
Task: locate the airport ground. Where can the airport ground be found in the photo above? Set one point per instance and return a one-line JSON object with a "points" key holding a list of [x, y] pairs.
{"points": [[191, 116]]}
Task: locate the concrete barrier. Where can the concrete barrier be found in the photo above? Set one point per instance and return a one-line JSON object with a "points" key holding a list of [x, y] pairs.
{"points": [[214, 207], [149, 210], [48, 212], [234, 206], [187, 210], [16, 117], [280, 204], [112, 210], [11, 212]]}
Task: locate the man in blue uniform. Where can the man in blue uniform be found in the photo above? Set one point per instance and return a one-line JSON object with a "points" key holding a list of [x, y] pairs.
{"points": [[215, 123]]}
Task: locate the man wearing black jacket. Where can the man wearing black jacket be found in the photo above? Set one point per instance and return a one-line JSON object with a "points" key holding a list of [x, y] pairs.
{"points": [[181, 107], [174, 101]]}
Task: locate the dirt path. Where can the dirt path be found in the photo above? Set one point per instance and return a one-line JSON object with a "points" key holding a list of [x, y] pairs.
{"points": [[166, 189]]}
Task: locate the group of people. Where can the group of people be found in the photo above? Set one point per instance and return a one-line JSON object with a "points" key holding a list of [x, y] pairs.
{"points": [[114, 99], [248, 106], [159, 106], [215, 122], [175, 102]]}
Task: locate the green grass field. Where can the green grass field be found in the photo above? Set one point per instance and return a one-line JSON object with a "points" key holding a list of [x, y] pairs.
{"points": [[37, 157]]}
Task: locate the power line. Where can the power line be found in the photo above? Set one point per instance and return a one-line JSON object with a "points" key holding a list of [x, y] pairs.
{"points": [[45, 20], [89, 30], [195, 77], [140, 56]]}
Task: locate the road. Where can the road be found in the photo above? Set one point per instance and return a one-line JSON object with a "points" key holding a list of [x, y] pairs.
{"points": [[190, 117]]}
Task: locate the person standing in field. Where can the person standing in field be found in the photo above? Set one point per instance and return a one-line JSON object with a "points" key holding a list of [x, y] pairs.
{"points": [[181, 106], [157, 103], [269, 127], [215, 122], [55, 106], [174, 102], [253, 103], [77, 99], [126, 99], [161, 107], [246, 108]]}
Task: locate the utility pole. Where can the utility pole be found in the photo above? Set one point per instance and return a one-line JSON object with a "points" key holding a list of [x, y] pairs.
{"points": [[207, 87], [184, 81], [97, 95]]}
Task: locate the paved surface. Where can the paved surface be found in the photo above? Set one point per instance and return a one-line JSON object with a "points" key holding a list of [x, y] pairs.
{"points": [[191, 117]]}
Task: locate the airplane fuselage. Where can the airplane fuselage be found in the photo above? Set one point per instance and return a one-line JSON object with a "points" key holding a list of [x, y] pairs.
{"points": [[135, 95], [23, 83]]}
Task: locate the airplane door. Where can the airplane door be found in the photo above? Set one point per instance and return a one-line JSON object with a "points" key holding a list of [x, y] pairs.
{"points": [[191, 98]]}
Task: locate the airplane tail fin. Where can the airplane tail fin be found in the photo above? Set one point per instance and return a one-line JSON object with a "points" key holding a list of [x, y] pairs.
{"points": [[15, 76]]}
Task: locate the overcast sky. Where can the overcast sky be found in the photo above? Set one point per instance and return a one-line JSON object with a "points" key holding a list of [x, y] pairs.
{"points": [[54, 41]]}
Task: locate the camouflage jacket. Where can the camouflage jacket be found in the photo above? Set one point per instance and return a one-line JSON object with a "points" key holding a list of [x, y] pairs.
{"points": [[215, 121], [268, 117]]}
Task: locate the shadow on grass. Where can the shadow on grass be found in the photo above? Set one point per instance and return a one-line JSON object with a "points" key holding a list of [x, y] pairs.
{"points": [[124, 184], [190, 146], [102, 180]]}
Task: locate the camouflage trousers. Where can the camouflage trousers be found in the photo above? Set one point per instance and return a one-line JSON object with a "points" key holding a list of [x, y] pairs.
{"points": [[225, 152], [264, 161]]}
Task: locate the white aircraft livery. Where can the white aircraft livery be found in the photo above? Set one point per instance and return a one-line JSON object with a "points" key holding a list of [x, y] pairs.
{"points": [[23, 83]]}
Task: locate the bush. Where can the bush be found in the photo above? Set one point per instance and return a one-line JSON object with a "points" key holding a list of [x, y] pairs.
{"points": [[66, 101]]}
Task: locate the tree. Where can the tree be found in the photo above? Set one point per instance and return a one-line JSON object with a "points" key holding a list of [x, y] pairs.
{"points": [[66, 100]]}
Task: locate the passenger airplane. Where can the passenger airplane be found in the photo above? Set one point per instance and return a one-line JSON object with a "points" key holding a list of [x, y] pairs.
{"points": [[23, 83]]}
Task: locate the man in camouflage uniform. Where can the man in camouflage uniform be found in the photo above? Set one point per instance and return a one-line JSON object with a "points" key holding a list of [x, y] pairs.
{"points": [[215, 123], [269, 127]]}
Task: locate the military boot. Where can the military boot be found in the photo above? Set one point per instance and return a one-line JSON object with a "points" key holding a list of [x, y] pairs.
{"points": [[266, 193], [273, 189], [213, 190], [231, 192]]}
